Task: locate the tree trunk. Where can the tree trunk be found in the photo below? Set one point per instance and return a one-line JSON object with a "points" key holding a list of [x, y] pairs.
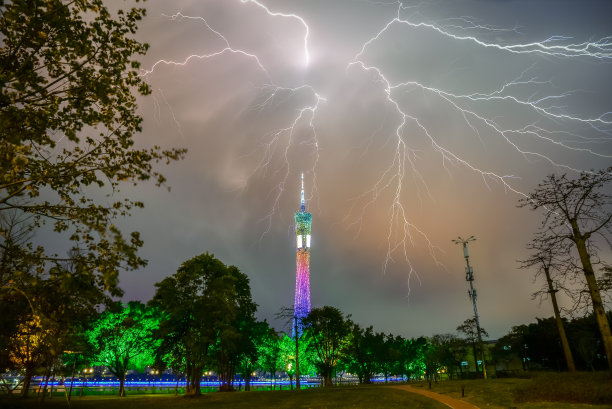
{"points": [[27, 380], [569, 359], [475, 359], [48, 375], [247, 383], [598, 309], [122, 384], [327, 379], [194, 382]]}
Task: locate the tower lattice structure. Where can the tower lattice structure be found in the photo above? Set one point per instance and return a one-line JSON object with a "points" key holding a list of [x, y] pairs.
{"points": [[303, 223]]}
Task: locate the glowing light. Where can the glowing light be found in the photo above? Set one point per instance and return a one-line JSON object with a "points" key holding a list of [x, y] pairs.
{"points": [[299, 241], [308, 240], [291, 15]]}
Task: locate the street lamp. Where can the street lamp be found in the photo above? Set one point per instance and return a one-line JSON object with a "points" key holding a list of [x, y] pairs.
{"points": [[86, 371], [469, 277]]}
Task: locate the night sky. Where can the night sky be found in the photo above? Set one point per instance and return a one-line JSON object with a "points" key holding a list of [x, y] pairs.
{"points": [[433, 129]]}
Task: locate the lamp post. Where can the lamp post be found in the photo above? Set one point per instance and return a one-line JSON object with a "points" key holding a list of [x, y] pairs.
{"points": [[297, 353], [469, 277], [85, 372]]}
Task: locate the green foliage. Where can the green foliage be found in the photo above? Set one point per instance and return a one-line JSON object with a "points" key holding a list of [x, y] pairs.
{"points": [[68, 121], [390, 355], [209, 313], [444, 353], [537, 345], [326, 329], [255, 333], [124, 340], [362, 353], [67, 124], [414, 365], [269, 351]]}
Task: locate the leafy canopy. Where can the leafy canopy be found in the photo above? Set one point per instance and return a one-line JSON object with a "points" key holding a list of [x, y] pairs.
{"points": [[68, 86]]}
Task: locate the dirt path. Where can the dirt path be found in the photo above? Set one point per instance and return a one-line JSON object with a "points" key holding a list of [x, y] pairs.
{"points": [[447, 400]]}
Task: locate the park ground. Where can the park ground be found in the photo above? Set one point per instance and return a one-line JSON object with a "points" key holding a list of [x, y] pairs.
{"points": [[564, 391]]}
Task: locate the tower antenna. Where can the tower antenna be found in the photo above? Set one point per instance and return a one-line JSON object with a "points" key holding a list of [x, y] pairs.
{"points": [[303, 202], [469, 277]]}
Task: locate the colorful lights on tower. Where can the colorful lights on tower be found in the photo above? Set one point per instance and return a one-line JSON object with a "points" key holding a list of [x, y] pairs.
{"points": [[303, 222]]}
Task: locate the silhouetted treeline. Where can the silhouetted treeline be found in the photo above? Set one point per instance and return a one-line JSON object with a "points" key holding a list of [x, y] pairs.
{"points": [[538, 345]]}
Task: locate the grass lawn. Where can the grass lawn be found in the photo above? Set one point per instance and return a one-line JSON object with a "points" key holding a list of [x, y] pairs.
{"points": [[344, 397], [542, 390]]}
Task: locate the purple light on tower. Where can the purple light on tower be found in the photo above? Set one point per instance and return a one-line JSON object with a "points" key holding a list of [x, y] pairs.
{"points": [[303, 222]]}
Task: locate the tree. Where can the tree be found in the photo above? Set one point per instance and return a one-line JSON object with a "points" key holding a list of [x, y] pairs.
{"points": [[270, 355], [412, 363], [53, 313], [236, 336], [442, 354], [27, 349], [389, 355], [248, 359], [545, 260], [513, 345], [124, 339], [207, 304], [326, 329], [469, 329], [68, 121], [362, 350], [578, 211]]}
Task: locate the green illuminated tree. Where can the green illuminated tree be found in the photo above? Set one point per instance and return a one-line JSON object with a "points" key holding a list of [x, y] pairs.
{"points": [[270, 357], [390, 355], [207, 305], [326, 329], [412, 363], [362, 351], [577, 212], [247, 361], [125, 339]]}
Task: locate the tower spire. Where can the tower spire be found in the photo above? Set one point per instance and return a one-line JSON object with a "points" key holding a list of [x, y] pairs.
{"points": [[303, 202]]}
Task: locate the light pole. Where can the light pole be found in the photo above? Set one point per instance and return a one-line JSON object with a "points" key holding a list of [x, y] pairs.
{"points": [[297, 353], [84, 384], [469, 277]]}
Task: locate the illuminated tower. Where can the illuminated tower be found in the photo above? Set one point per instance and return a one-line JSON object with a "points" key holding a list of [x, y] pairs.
{"points": [[303, 221]]}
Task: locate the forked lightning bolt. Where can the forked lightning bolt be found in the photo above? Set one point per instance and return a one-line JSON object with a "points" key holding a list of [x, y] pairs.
{"points": [[403, 158], [282, 137], [403, 162]]}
